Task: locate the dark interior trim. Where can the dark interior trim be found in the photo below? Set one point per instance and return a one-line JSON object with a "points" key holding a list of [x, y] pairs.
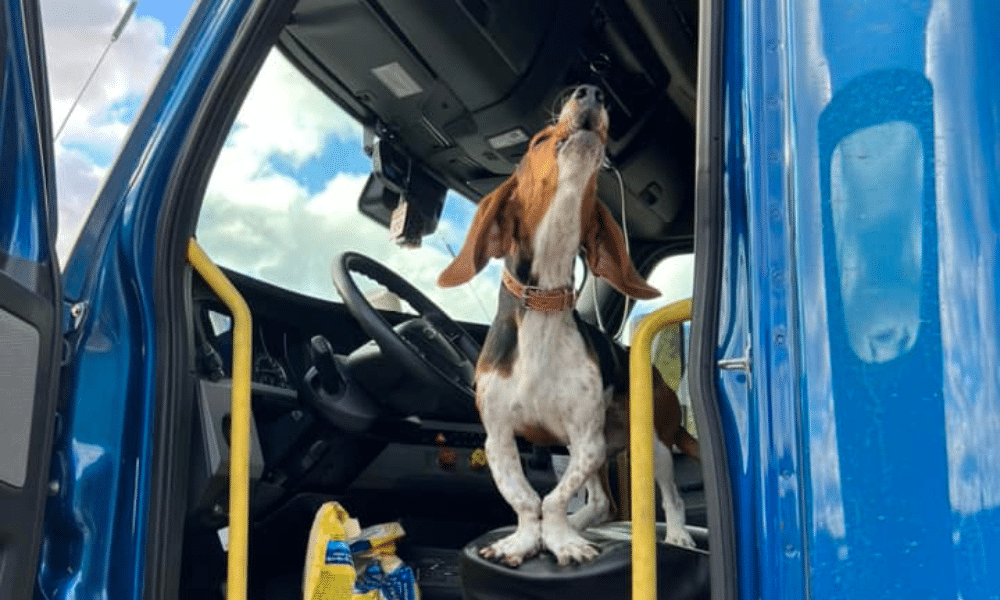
{"points": [[313, 70], [708, 256], [22, 503], [175, 380]]}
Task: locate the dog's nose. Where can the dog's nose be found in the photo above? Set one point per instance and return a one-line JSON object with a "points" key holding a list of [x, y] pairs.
{"points": [[588, 96]]}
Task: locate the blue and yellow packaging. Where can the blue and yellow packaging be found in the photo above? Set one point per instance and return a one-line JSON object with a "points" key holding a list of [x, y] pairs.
{"points": [[344, 562]]}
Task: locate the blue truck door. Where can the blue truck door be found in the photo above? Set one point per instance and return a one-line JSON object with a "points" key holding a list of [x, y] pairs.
{"points": [[30, 291]]}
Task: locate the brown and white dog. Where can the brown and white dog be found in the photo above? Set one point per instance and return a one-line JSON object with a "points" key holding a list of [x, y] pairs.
{"points": [[539, 374]]}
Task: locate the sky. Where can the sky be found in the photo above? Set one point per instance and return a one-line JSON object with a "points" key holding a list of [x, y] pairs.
{"points": [[75, 35]]}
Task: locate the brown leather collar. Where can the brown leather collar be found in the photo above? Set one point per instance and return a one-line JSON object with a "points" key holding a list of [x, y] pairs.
{"points": [[535, 298]]}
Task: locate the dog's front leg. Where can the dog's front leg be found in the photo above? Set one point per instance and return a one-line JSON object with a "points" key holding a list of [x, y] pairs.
{"points": [[505, 465], [586, 456]]}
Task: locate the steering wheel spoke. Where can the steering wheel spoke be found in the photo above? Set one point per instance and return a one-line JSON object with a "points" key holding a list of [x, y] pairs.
{"points": [[444, 356]]}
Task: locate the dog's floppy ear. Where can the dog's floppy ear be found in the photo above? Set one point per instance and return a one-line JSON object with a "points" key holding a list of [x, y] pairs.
{"points": [[608, 258], [490, 236]]}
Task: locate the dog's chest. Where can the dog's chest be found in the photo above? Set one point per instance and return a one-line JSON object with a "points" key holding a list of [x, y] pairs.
{"points": [[554, 384]]}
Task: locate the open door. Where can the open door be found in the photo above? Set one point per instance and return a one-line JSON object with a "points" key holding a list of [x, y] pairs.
{"points": [[30, 291]]}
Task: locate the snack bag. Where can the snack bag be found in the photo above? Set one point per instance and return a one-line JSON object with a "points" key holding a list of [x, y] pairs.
{"points": [[344, 562], [330, 571]]}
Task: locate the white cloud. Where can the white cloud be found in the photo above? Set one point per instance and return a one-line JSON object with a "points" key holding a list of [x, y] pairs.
{"points": [[77, 179], [283, 115], [75, 35]]}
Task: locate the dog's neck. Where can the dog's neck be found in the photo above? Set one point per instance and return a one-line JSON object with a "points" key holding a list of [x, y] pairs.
{"points": [[556, 241]]}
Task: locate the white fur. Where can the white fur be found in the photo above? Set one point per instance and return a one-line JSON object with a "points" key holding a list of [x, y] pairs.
{"points": [[557, 239]]}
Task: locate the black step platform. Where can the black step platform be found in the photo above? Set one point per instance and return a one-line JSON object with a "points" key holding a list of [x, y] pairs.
{"points": [[682, 573]]}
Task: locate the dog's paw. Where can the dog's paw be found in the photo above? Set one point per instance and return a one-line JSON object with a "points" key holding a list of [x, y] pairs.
{"points": [[678, 536], [513, 549], [568, 546]]}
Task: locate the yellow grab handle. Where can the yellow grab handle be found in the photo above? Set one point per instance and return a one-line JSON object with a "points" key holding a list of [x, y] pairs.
{"points": [[641, 446], [239, 435]]}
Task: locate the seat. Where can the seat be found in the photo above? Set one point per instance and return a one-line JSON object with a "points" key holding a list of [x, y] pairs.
{"points": [[682, 574]]}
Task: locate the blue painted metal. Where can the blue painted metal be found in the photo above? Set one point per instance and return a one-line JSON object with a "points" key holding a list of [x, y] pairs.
{"points": [[736, 411], [872, 190], [963, 66], [779, 564], [96, 527], [764, 443], [30, 291], [27, 206]]}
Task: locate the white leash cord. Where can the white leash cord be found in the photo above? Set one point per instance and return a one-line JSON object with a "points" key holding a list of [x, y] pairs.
{"points": [[628, 252]]}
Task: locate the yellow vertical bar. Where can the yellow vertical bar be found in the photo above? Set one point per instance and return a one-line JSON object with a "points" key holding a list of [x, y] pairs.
{"points": [[641, 446], [239, 435]]}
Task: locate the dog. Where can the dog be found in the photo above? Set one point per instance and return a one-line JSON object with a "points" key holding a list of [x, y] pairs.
{"points": [[543, 373]]}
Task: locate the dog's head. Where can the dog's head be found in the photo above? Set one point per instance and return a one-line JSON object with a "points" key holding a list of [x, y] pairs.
{"points": [[508, 217]]}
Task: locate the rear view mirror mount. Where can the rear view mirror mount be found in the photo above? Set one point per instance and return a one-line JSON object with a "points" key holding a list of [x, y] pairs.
{"points": [[400, 194]]}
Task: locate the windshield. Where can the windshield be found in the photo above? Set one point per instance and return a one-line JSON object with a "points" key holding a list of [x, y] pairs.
{"points": [[282, 202]]}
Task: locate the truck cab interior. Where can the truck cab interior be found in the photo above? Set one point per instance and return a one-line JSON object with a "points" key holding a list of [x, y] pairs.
{"points": [[346, 181]]}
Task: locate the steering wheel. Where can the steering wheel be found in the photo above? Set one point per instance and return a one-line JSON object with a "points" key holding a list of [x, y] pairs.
{"points": [[431, 347]]}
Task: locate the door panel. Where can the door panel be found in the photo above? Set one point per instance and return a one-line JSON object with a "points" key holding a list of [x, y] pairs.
{"points": [[18, 371], [30, 334]]}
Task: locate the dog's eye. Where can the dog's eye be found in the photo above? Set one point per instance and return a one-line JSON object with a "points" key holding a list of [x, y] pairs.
{"points": [[540, 139]]}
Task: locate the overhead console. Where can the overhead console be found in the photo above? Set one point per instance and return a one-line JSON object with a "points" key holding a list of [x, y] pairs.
{"points": [[463, 84]]}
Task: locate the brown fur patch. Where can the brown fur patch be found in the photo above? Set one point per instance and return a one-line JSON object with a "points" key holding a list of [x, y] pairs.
{"points": [[539, 435], [537, 179], [666, 418], [608, 257]]}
